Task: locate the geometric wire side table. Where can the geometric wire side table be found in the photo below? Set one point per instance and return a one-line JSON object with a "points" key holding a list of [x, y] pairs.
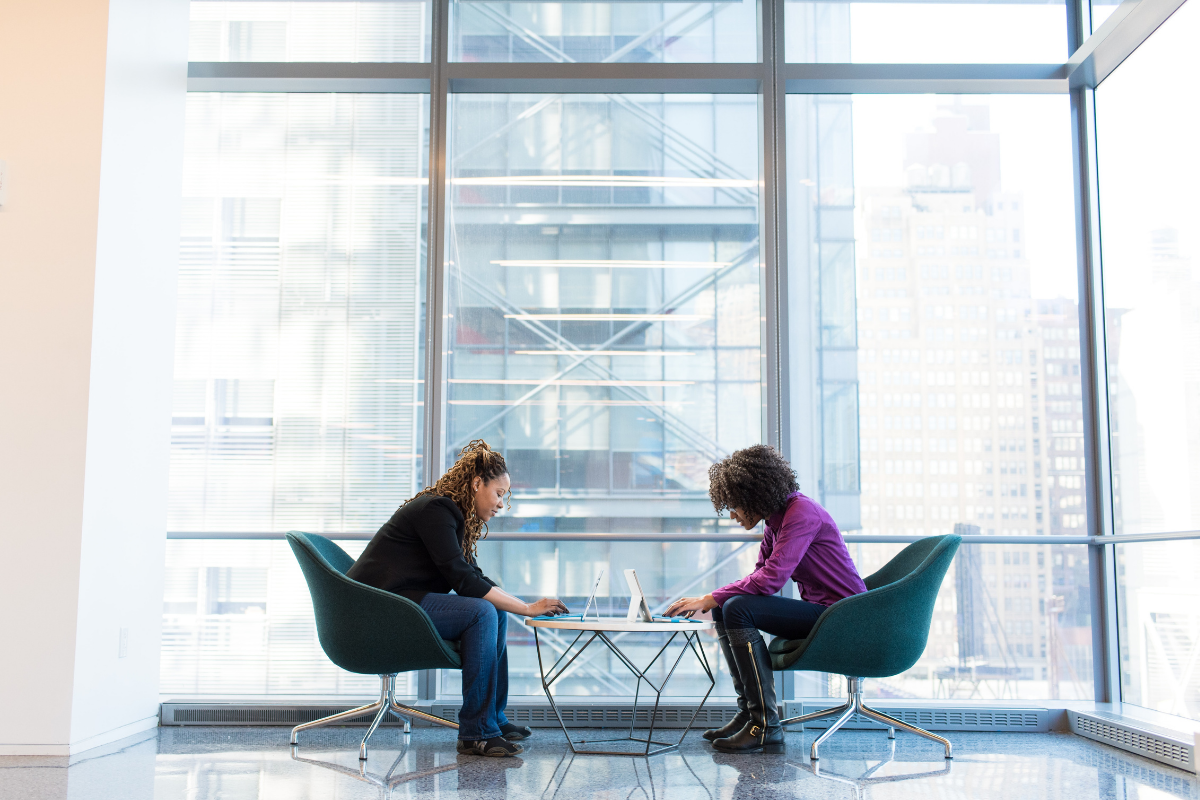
{"points": [[600, 630]]}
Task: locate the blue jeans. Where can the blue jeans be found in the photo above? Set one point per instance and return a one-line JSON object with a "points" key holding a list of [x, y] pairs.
{"points": [[481, 630], [780, 616]]}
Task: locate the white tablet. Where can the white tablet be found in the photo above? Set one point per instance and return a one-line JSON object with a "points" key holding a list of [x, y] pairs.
{"points": [[638, 609]]}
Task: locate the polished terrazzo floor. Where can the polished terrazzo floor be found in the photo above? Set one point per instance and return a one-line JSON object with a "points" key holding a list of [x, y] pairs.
{"points": [[256, 763]]}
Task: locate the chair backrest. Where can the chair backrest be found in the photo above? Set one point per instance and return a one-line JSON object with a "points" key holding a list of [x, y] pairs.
{"points": [[903, 563], [883, 631], [363, 629]]}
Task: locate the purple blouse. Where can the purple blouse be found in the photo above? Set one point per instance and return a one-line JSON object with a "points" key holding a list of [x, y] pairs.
{"points": [[801, 542]]}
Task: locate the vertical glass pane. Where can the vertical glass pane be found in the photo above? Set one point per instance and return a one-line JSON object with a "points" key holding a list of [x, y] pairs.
{"points": [[297, 369], [1148, 161], [1151, 286], [670, 32], [340, 30], [928, 32], [933, 238], [604, 295], [237, 620], [1159, 625]]}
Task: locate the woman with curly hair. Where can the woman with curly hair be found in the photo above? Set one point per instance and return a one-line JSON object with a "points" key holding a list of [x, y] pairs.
{"points": [[426, 550], [801, 542]]}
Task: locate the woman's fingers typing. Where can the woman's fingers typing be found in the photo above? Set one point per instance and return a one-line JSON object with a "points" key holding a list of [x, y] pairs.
{"points": [[547, 606], [679, 607]]}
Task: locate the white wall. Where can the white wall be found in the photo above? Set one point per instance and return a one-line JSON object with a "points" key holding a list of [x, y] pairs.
{"points": [[91, 125]]}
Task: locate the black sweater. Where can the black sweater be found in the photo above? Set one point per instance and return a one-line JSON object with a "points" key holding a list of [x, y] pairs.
{"points": [[418, 551]]}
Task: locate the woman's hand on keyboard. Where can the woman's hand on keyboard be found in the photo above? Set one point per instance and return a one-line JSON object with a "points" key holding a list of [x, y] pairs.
{"points": [[547, 606], [689, 606]]}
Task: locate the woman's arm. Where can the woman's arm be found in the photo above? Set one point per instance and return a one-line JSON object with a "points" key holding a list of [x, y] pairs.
{"points": [[515, 605], [790, 545]]}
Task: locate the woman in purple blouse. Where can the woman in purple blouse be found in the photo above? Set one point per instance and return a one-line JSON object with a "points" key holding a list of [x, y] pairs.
{"points": [[800, 542]]}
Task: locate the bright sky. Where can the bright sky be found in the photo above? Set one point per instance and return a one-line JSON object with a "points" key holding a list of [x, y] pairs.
{"points": [[1035, 159], [958, 33]]}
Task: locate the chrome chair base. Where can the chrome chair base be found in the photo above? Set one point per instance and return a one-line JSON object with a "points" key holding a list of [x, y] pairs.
{"points": [[854, 705], [383, 706]]}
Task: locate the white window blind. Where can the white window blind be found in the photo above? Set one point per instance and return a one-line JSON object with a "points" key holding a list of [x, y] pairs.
{"points": [[297, 392]]}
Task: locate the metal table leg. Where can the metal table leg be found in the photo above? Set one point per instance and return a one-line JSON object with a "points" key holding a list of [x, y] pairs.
{"points": [[691, 642]]}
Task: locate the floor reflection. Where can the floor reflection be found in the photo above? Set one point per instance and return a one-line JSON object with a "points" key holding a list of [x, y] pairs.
{"points": [[407, 766], [258, 764], [885, 770], [650, 778]]}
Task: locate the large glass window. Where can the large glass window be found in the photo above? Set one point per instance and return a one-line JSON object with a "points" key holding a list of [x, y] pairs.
{"points": [[1148, 162], [605, 299], [932, 239], [298, 389], [604, 292], [607, 314], [278, 30], [604, 32], [927, 32]]}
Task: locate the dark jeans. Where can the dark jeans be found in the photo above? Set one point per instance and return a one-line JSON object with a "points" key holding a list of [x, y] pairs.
{"points": [[481, 630], [779, 616]]}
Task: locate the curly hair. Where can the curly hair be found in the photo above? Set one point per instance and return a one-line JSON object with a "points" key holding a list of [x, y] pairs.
{"points": [[756, 480], [476, 460]]}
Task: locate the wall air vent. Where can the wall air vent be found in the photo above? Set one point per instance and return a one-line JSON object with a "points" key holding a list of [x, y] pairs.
{"points": [[581, 715], [604, 716], [1134, 738], [232, 714], [964, 718]]}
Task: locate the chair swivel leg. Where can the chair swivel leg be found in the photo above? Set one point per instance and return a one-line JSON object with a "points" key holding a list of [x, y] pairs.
{"points": [[853, 705], [814, 715], [846, 716], [362, 748], [892, 722], [408, 714], [742, 716], [333, 719]]}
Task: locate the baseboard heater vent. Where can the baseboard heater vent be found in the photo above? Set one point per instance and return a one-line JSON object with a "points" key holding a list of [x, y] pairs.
{"points": [[998, 719], [580, 715], [231, 714], [606, 716], [1133, 738]]}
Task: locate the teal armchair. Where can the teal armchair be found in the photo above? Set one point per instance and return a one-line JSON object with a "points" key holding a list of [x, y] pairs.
{"points": [[877, 634], [368, 631]]}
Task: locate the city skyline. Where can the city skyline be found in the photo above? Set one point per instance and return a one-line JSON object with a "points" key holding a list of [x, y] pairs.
{"points": [[970, 404]]}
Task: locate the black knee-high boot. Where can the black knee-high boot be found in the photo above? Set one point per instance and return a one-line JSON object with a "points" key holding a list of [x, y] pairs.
{"points": [[763, 731], [743, 716]]}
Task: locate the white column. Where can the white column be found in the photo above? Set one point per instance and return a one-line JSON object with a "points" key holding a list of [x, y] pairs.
{"points": [[91, 127]]}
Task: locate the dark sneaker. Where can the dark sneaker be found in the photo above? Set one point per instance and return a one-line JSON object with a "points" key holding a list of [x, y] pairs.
{"points": [[496, 747], [514, 732]]}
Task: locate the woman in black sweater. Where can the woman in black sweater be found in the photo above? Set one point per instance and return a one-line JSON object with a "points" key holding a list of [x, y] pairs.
{"points": [[426, 550]]}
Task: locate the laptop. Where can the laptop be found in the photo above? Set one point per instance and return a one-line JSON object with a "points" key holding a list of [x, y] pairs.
{"points": [[591, 599]]}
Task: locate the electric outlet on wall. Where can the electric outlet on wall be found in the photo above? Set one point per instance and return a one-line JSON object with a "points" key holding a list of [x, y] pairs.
{"points": [[123, 643]]}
